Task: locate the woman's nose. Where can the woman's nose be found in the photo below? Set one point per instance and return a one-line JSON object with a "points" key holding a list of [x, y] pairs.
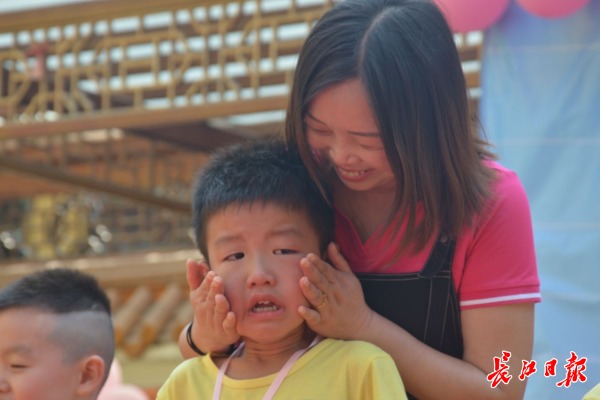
{"points": [[342, 153]]}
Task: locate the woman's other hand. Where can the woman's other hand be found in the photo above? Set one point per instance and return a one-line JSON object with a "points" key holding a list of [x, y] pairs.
{"points": [[339, 309]]}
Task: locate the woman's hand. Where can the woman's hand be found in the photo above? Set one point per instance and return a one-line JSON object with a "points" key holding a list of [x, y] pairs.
{"points": [[214, 323], [339, 309]]}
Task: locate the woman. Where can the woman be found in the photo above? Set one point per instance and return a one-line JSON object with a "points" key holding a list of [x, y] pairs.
{"points": [[438, 234]]}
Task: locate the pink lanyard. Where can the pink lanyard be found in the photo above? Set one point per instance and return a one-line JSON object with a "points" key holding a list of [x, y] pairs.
{"points": [[278, 379]]}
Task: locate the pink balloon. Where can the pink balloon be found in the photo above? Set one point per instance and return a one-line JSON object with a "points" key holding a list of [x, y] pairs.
{"points": [[115, 376], [123, 392], [552, 8], [472, 15]]}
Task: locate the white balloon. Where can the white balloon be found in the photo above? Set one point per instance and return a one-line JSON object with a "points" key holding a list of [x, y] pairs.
{"points": [[115, 376], [123, 392]]}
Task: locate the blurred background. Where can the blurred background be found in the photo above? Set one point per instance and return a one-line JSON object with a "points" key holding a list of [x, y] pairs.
{"points": [[109, 108]]}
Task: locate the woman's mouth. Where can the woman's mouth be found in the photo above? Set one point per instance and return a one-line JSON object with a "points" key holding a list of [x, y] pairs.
{"points": [[351, 174]]}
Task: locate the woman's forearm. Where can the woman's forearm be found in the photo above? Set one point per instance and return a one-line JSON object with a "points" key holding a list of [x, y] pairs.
{"points": [[430, 374]]}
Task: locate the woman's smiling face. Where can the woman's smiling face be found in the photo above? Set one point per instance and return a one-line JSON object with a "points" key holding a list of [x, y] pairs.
{"points": [[340, 128]]}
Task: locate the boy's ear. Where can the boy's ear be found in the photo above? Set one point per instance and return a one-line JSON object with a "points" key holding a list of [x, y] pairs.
{"points": [[195, 273], [91, 376]]}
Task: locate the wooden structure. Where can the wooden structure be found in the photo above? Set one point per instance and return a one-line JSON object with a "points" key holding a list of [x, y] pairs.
{"points": [[107, 93], [126, 99], [120, 97]]}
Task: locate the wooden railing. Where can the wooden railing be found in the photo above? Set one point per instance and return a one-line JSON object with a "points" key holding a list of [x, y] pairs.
{"points": [[120, 97], [108, 64]]}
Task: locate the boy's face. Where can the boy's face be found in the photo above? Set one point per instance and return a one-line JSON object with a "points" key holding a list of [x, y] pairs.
{"points": [[31, 366], [257, 250]]}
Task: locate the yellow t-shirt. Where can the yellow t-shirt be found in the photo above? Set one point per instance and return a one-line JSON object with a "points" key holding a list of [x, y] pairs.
{"points": [[593, 394], [333, 369]]}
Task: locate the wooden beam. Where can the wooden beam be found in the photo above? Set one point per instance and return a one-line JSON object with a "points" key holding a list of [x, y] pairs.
{"points": [[141, 118], [119, 271], [93, 10], [62, 176], [15, 185], [195, 136]]}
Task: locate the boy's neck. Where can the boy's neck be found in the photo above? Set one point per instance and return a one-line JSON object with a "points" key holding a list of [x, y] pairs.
{"points": [[261, 359]]}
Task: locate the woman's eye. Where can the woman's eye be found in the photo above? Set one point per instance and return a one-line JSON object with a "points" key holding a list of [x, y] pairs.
{"points": [[369, 147], [18, 366], [318, 131], [234, 256]]}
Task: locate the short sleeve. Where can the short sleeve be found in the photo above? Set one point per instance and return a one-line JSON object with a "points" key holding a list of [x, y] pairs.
{"points": [[382, 380], [500, 264]]}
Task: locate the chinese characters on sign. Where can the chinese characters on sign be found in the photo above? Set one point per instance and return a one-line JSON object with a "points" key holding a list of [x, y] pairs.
{"points": [[574, 370]]}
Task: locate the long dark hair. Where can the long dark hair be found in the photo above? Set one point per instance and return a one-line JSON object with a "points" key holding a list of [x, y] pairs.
{"points": [[403, 53]]}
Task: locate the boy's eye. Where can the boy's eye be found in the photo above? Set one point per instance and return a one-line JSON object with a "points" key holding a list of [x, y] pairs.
{"points": [[284, 251], [18, 366], [234, 256]]}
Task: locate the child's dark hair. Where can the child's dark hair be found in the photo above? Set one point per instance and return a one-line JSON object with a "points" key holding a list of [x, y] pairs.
{"points": [[82, 309], [59, 291], [260, 171]]}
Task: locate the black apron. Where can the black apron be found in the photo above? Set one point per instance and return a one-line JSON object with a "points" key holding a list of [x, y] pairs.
{"points": [[423, 303]]}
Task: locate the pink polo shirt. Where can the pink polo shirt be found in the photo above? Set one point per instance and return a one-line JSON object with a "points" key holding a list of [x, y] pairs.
{"points": [[494, 259]]}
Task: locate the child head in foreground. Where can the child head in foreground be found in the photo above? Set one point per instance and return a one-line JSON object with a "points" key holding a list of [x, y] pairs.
{"points": [[56, 337], [256, 213]]}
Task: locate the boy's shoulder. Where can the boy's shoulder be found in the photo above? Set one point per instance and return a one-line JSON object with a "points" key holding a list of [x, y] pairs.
{"points": [[192, 367], [351, 349], [187, 377]]}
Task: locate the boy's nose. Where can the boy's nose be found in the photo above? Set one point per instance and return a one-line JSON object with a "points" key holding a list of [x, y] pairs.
{"points": [[261, 274], [4, 386]]}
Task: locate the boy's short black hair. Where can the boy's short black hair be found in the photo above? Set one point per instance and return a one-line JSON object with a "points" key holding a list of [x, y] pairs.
{"points": [[59, 291], [87, 327], [261, 171]]}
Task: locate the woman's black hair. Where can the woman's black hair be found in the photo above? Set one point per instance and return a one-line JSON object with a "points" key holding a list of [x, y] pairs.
{"points": [[403, 53]]}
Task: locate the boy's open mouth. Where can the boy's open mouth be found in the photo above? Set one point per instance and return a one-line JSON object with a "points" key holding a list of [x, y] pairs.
{"points": [[265, 306]]}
